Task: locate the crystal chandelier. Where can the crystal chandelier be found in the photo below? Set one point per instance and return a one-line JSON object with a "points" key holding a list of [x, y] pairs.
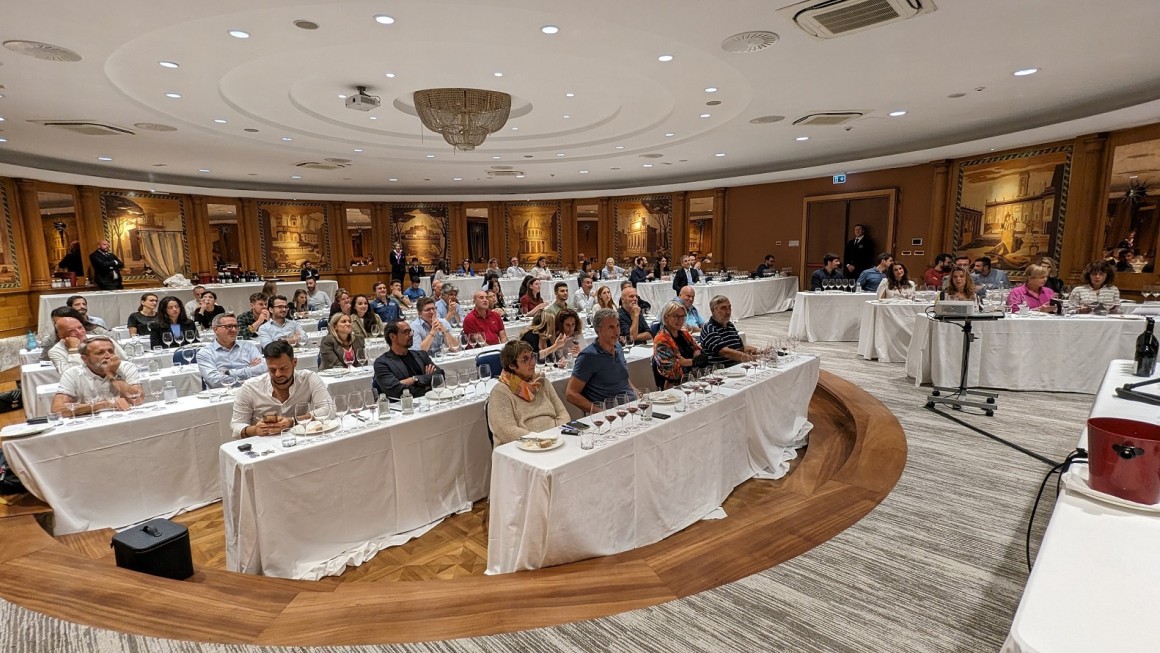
{"points": [[464, 116]]}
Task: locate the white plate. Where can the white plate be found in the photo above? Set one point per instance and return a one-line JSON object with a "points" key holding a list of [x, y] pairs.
{"points": [[521, 445], [1076, 479], [211, 394], [664, 399], [732, 373], [23, 430], [334, 372], [444, 393], [327, 427]]}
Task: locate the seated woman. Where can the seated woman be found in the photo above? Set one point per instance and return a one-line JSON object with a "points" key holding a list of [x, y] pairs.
{"points": [[541, 270], [299, 305], [270, 288], [604, 299], [960, 288], [531, 302], [341, 303], [1034, 292], [366, 322], [662, 269], [207, 309], [172, 319], [492, 285], [1053, 281], [340, 346], [896, 284], [1098, 289], [522, 403], [673, 348], [145, 317], [465, 269], [568, 339], [540, 335]]}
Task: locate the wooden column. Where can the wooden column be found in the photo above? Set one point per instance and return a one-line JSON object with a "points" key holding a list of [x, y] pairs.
{"points": [[568, 234], [607, 230], [1083, 239], [680, 231], [249, 236], [457, 218], [939, 234], [719, 212], [39, 271]]}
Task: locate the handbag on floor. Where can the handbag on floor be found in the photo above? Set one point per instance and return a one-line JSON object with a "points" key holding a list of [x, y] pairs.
{"points": [[159, 547]]}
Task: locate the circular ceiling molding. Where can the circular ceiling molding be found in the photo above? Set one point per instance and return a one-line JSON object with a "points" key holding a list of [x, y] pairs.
{"points": [[747, 42], [44, 51], [154, 127], [765, 120]]}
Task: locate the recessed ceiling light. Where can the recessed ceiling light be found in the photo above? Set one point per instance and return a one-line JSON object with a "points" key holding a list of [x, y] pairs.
{"points": [[3, 140], [706, 115], [566, 116], [895, 114], [204, 170], [457, 179], [358, 149], [711, 89], [665, 57], [384, 19], [393, 179], [669, 134], [239, 34], [104, 158], [497, 74], [620, 147], [341, 96], [646, 165], [373, 117], [430, 156], [295, 177], [173, 95], [583, 172], [220, 121], [719, 154], [495, 157], [614, 168], [559, 154], [549, 29], [515, 129], [519, 176], [1025, 72], [287, 138], [169, 64], [391, 75], [1, 118], [569, 95], [802, 138]]}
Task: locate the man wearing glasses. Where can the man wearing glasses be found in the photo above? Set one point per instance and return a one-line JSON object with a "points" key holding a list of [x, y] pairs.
{"points": [[280, 328], [226, 356]]}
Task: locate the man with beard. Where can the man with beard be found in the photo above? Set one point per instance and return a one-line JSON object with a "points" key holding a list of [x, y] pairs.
{"points": [[402, 368], [266, 404]]}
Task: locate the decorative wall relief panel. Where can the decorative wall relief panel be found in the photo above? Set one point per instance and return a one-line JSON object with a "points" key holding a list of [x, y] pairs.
{"points": [[147, 232], [294, 232], [1011, 207], [423, 231], [643, 227], [533, 230]]}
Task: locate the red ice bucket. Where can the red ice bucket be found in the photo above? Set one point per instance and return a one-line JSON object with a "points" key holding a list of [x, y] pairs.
{"points": [[1124, 458]]}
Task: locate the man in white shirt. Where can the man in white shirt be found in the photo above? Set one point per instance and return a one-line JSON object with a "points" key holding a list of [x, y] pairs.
{"points": [[101, 381], [226, 356], [611, 270], [584, 299], [514, 270], [267, 404], [81, 305], [195, 303], [316, 300], [279, 328], [66, 352]]}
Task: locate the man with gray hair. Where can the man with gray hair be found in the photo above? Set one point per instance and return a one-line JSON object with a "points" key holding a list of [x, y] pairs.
{"points": [[448, 307], [226, 356], [720, 339], [600, 371], [66, 352], [101, 381]]}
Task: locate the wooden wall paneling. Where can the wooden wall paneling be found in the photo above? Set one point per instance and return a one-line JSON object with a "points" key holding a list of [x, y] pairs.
{"points": [[457, 221], [37, 269], [381, 243], [720, 210], [198, 234], [90, 221], [607, 230], [248, 229], [938, 239], [568, 251], [1083, 236]]}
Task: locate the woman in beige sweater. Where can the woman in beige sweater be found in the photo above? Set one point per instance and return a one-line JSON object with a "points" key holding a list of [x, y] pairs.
{"points": [[522, 403]]}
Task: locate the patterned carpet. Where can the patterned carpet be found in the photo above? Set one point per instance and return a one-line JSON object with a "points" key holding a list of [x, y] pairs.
{"points": [[938, 566]]}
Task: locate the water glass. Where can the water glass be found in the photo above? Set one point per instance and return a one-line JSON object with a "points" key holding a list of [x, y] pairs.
{"points": [[587, 439], [54, 419]]}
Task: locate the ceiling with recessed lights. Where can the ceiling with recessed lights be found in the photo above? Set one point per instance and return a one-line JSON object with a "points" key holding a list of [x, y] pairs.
{"points": [[248, 98]]}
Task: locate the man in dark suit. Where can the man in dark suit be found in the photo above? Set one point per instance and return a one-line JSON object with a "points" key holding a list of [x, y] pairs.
{"points": [[308, 271], [401, 367], [106, 267], [860, 253], [686, 275], [398, 263]]}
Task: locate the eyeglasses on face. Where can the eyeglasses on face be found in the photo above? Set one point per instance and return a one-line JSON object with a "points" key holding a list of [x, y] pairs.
{"points": [[226, 326]]}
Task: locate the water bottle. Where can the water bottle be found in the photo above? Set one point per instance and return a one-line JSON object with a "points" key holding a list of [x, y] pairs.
{"points": [[30, 341], [154, 367], [1024, 309], [384, 407], [170, 393], [407, 402]]}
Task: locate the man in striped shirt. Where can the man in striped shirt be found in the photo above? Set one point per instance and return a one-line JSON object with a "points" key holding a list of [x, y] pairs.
{"points": [[719, 338]]}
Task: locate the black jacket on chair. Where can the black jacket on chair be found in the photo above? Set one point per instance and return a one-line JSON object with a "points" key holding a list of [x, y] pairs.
{"points": [[391, 369]]}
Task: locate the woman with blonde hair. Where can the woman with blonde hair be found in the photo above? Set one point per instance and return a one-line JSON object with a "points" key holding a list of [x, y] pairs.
{"points": [[960, 287], [340, 346], [1053, 280], [673, 348], [541, 334], [1034, 291]]}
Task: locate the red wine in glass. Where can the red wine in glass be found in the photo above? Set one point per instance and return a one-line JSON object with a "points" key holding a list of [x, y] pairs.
{"points": [[598, 422]]}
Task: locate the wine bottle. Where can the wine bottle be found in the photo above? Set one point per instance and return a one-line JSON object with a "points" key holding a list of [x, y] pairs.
{"points": [[1146, 349]]}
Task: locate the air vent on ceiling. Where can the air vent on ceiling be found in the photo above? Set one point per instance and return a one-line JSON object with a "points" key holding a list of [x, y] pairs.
{"points": [[827, 19], [747, 42], [651, 156], [85, 127], [830, 118], [154, 127], [765, 120], [505, 173], [321, 165], [43, 51]]}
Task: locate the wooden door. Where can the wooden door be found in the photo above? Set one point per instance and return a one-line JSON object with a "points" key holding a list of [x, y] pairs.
{"points": [[829, 222]]}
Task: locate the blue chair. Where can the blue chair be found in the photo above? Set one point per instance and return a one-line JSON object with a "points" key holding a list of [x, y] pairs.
{"points": [[654, 328], [178, 359], [491, 359], [323, 324]]}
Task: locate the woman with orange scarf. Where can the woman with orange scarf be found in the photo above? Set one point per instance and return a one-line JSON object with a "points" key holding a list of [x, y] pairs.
{"points": [[673, 348], [522, 403]]}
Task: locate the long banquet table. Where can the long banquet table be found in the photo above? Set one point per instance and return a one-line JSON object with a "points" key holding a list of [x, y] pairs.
{"points": [[553, 507], [748, 297], [831, 316], [886, 328], [1037, 352], [115, 306], [1095, 583]]}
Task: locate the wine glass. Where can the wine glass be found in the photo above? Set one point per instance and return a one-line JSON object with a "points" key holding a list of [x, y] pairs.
{"points": [[354, 404], [188, 355], [687, 388], [191, 337], [360, 355], [303, 416], [72, 409], [596, 416], [132, 395], [228, 383], [473, 379], [167, 339], [643, 403], [369, 401], [484, 373], [156, 388], [622, 409], [438, 385], [340, 409], [632, 407], [610, 416], [453, 384]]}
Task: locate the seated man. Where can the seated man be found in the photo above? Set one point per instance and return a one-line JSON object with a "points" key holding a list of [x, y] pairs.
{"points": [[414, 292], [831, 270], [252, 320], [430, 332], [600, 371], [632, 322], [767, 268], [100, 381], [645, 307], [482, 320], [66, 352], [226, 356], [719, 338], [933, 276], [561, 291], [693, 320], [870, 278], [584, 300], [385, 306], [195, 303], [401, 367], [397, 294], [316, 300], [448, 307], [81, 305], [989, 277], [514, 270], [267, 403], [280, 328]]}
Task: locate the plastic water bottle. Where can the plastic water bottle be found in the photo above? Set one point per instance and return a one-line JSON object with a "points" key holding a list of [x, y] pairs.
{"points": [[384, 407], [407, 402], [154, 367], [170, 393], [30, 341], [1024, 309]]}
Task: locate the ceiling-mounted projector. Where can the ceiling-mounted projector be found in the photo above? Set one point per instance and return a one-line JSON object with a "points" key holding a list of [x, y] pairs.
{"points": [[360, 101]]}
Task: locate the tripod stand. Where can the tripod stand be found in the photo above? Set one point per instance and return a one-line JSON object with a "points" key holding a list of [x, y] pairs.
{"points": [[962, 395]]}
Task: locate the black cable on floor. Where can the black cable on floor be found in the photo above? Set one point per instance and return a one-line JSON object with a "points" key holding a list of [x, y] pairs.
{"points": [[994, 437], [1077, 456]]}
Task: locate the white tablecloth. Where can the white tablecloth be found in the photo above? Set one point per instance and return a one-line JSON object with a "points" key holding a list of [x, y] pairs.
{"points": [[1039, 352], [567, 504], [748, 298], [121, 471], [186, 378], [511, 287], [885, 329], [115, 306], [827, 316], [1095, 584]]}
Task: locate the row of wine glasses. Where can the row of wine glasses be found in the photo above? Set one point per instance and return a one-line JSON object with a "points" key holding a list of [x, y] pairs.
{"points": [[450, 383], [844, 285], [184, 338]]}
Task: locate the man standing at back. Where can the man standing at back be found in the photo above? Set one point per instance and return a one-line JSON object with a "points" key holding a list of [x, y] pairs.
{"points": [[398, 262], [859, 254], [106, 267]]}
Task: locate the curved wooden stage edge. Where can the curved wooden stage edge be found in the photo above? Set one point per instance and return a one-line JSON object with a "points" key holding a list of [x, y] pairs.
{"points": [[856, 454]]}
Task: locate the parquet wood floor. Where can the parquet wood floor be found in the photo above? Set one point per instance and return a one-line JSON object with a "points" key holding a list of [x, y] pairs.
{"points": [[857, 452]]}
